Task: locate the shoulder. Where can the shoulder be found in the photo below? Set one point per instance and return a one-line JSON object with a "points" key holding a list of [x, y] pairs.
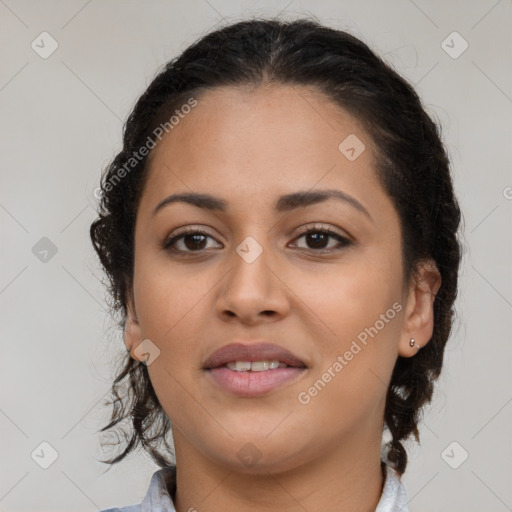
{"points": [[129, 508]]}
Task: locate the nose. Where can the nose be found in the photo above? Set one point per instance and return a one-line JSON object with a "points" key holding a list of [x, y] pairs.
{"points": [[253, 291]]}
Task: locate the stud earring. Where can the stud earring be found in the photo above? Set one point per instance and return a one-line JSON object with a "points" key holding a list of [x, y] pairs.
{"points": [[412, 343]]}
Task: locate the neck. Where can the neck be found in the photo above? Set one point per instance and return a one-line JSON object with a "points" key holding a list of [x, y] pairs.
{"points": [[348, 478]]}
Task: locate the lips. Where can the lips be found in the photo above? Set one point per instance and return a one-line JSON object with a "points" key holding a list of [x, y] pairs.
{"points": [[253, 352]]}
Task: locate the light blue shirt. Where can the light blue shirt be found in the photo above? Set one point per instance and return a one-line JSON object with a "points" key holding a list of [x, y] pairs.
{"points": [[163, 485]]}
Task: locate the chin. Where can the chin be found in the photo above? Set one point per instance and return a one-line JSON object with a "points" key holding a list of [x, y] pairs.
{"points": [[260, 457]]}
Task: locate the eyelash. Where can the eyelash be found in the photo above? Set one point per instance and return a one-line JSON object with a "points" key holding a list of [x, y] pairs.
{"points": [[167, 244]]}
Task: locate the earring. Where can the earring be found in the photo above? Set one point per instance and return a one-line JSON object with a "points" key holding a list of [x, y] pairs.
{"points": [[412, 343]]}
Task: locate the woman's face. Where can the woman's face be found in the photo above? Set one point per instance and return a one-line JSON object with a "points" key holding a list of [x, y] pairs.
{"points": [[254, 276]]}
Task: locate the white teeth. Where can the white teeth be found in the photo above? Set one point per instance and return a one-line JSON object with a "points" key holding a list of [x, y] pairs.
{"points": [[239, 366], [256, 366]]}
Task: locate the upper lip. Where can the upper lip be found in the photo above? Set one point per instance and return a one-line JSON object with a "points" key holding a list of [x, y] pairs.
{"points": [[251, 352]]}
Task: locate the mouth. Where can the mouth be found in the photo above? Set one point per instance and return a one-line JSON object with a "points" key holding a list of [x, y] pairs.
{"points": [[255, 366], [253, 370], [240, 357]]}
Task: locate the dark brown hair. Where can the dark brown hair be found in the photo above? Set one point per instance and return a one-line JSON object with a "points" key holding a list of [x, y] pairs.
{"points": [[412, 165]]}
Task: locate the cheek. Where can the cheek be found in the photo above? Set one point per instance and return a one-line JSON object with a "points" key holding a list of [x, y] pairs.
{"points": [[357, 317], [346, 299], [348, 387], [170, 299], [171, 305]]}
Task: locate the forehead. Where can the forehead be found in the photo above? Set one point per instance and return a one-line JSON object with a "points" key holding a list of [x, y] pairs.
{"points": [[257, 143]]}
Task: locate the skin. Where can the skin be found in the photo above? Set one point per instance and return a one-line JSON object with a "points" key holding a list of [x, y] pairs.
{"points": [[249, 146]]}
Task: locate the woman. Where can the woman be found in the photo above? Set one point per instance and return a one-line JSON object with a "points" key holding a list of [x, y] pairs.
{"points": [[280, 235]]}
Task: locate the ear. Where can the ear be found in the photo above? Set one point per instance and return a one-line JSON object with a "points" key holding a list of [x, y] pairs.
{"points": [[132, 333], [419, 310]]}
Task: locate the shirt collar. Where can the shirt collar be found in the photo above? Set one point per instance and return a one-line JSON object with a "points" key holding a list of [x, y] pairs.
{"points": [[163, 485]]}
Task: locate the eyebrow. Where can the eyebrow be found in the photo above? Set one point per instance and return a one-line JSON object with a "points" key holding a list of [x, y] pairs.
{"points": [[285, 203]]}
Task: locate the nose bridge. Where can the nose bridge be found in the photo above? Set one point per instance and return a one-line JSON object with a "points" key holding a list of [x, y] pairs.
{"points": [[251, 262], [251, 286]]}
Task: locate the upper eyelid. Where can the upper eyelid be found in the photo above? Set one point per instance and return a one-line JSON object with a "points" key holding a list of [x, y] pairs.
{"points": [[191, 229], [321, 227]]}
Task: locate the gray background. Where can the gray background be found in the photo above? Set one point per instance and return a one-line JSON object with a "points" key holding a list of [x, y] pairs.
{"points": [[61, 120]]}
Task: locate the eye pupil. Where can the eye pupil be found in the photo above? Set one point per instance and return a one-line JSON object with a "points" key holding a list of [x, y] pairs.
{"points": [[194, 245], [314, 237]]}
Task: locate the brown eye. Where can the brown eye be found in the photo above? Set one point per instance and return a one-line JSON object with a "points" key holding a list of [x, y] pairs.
{"points": [[193, 240], [318, 239]]}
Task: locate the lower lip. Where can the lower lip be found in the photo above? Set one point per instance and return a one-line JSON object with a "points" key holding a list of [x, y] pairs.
{"points": [[252, 384]]}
